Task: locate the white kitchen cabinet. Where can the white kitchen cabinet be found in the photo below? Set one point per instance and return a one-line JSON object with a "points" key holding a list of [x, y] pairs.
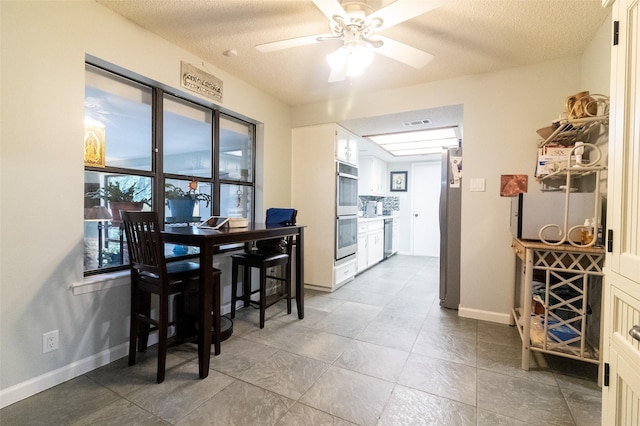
{"points": [[376, 244], [313, 194], [346, 146], [621, 389], [370, 242], [363, 240], [372, 176], [344, 272]]}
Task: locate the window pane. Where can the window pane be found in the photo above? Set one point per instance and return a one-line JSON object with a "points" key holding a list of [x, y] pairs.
{"points": [[187, 138], [236, 149], [236, 201], [105, 196], [118, 118], [187, 201]]}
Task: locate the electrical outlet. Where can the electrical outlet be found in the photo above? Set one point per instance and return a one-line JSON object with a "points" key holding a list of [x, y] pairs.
{"points": [[50, 341]]}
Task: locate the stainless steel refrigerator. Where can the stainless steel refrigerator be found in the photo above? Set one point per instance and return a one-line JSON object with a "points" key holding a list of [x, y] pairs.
{"points": [[450, 203]]}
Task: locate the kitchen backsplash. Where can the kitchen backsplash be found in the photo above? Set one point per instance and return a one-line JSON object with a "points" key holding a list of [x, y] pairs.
{"points": [[388, 203]]}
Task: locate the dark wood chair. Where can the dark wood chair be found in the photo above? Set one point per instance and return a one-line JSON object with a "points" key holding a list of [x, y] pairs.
{"points": [[152, 274], [268, 254]]}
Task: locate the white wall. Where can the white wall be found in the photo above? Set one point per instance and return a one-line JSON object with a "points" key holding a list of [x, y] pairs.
{"points": [[502, 111], [596, 60], [41, 177]]}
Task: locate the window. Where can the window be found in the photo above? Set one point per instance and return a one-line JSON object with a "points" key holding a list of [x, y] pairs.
{"points": [[236, 167], [147, 149]]}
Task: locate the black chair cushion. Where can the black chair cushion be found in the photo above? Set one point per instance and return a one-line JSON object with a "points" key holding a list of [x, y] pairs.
{"points": [[176, 270], [259, 260]]}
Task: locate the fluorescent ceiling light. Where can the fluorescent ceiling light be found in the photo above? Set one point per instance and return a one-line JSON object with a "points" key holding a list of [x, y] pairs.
{"points": [[419, 142]]}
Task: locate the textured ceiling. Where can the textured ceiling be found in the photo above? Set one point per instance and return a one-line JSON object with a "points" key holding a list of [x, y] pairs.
{"points": [[466, 37]]}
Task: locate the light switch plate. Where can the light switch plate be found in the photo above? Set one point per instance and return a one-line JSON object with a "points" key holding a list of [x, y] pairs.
{"points": [[476, 185]]}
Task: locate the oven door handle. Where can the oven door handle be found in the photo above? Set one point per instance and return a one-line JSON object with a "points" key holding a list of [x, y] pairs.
{"points": [[348, 176]]}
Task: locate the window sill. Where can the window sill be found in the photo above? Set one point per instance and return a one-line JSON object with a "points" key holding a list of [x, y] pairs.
{"points": [[101, 282]]}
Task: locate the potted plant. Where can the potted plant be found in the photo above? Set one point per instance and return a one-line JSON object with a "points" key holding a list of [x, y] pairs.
{"points": [[120, 199], [180, 202]]}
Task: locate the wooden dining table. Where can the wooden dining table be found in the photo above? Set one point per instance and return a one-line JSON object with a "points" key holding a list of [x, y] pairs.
{"points": [[206, 240]]}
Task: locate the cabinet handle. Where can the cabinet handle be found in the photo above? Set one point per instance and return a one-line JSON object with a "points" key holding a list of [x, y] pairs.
{"points": [[635, 332]]}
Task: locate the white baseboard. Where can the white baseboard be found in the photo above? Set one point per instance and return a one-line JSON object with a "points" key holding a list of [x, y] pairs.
{"points": [[498, 317], [48, 380]]}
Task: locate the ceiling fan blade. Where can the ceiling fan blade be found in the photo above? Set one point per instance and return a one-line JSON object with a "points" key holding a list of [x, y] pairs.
{"points": [[291, 42], [403, 52], [402, 10], [330, 8], [337, 75]]}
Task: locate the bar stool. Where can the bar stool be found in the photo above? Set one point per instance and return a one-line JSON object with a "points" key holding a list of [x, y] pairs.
{"points": [[270, 254], [151, 274]]}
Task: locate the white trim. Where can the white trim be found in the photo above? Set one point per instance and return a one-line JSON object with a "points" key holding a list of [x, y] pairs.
{"points": [[100, 282], [498, 317], [48, 380]]}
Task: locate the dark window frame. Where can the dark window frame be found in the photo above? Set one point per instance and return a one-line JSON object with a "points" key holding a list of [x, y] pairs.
{"points": [[157, 173]]}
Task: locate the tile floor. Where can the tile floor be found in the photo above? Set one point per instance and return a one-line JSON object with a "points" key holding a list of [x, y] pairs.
{"points": [[379, 351]]}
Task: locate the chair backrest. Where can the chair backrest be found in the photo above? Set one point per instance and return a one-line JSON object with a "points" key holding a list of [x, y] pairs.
{"points": [[144, 241], [280, 216]]}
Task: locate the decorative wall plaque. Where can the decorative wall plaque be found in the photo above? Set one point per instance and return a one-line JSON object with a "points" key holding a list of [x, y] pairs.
{"points": [[512, 185], [200, 82]]}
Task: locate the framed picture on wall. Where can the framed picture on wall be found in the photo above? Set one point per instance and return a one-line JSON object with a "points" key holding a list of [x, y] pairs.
{"points": [[398, 182]]}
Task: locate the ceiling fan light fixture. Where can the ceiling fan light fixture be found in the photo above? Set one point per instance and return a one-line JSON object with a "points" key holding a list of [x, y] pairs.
{"points": [[354, 70], [354, 56], [362, 55], [338, 59]]}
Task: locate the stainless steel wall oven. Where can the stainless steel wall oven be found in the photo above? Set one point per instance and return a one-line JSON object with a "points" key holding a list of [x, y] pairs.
{"points": [[346, 236], [346, 211], [346, 189]]}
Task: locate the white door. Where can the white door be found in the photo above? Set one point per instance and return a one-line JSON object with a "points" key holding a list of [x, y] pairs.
{"points": [[621, 312], [425, 195], [624, 158]]}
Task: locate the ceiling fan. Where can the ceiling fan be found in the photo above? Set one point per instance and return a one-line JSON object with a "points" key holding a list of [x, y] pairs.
{"points": [[357, 25]]}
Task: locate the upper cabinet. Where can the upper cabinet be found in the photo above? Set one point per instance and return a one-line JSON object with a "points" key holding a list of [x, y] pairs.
{"points": [[372, 176], [346, 146]]}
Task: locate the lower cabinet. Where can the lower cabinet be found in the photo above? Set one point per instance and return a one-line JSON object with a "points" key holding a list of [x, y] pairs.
{"points": [[370, 243], [375, 247], [363, 256], [344, 272]]}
